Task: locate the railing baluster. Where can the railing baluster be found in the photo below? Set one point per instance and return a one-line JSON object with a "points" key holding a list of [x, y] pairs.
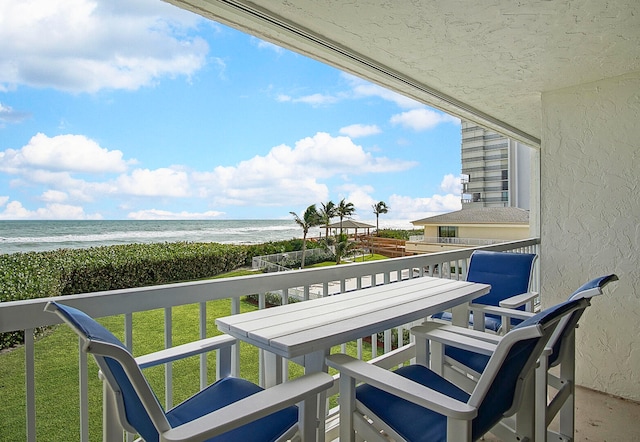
{"points": [[235, 351], [83, 381], [203, 335], [168, 367], [128, 331], [29, 365]]}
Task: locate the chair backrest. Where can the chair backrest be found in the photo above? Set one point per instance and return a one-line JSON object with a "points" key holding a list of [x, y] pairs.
{"points": [[499, 389], [508, 273], [138, 408], [559, 341]]}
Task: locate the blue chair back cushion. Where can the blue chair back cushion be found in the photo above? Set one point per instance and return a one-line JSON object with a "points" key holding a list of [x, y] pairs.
{"points": [[134, 410], [507, 273], [501, 393]]}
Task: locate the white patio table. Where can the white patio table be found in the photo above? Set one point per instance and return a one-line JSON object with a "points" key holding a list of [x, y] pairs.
{"points": [[306, 331]]}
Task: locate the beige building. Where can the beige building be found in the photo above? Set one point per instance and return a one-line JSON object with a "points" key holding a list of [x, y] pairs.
{"points": [[469, 228]]}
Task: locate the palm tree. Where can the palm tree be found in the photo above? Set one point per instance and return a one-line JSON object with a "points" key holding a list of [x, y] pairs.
{"points": [[344, 210], [310, 219], [378, 208], [343, 248], [327, 212]]}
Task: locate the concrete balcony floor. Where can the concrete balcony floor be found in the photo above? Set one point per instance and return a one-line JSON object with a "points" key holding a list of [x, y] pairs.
{"points": [[603, 418]]}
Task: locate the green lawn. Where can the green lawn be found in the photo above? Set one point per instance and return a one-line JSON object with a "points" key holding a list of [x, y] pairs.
{"points": [[56, 359]]}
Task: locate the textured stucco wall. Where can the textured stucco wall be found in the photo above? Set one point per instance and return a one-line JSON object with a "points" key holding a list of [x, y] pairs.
{"points": [[590, 222]]}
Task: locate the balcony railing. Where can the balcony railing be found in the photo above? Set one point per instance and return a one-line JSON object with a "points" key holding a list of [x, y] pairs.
{"points": [[29, 315], [454, 240]]}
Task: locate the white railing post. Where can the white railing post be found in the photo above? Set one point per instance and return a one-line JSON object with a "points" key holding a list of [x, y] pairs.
{"points": [[203, 335], [168, 367], [83, 381], [30, 375]]}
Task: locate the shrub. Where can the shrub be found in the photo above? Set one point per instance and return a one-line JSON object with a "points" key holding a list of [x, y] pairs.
{"points": [[72, 271], [399, 234]]}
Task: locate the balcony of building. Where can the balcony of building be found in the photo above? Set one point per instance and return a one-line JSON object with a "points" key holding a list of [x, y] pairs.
{"points": [[597, 413]]}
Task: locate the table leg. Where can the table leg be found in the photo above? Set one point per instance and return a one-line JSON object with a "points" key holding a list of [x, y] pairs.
{"points": [[460, 315], [313, 363], [272, 369]]}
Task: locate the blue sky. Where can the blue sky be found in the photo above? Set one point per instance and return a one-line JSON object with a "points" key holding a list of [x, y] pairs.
{"points": [[120, 109]]}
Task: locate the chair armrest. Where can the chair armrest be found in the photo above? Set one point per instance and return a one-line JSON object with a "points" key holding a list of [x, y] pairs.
{"points": [[185, 350], [250, 408], [401, 387], [424, 331], [501, 311], [518, 300], [458, 340]]}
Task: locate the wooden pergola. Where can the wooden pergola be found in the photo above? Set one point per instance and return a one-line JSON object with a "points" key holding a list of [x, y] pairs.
{"points": [[349, 224]]}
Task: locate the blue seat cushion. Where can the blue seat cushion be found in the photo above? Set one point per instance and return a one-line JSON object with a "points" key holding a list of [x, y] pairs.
{"points": [[411, 421], [227, 391]]}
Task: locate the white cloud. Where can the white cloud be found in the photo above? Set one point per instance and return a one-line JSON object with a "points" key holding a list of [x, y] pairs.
{"points": [[410, 208], [289, 175], [54, 196], [9, 115], [159, 182], [70, 153], [316, 99], [360, 130], [451, 184], [422, 119], [3, 200], [361, 198], [362, 88], [261, 44], [167, 215], [85, 46], [15, 210]]}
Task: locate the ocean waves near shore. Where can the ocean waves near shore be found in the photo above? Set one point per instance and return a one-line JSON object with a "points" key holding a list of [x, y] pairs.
{"points": [[27, 236], [38, 236]]}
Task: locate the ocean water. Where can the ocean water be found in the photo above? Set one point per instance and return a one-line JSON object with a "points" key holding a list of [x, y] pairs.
{"points": [[27, 236], [38, 236]]}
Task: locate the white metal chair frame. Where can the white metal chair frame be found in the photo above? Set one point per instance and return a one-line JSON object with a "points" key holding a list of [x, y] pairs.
{"points": [[302, 391], [354, 417], [431, 339]]}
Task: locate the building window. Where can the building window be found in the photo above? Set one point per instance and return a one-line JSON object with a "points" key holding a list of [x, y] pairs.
{"points": [[505, 185], [447, 232], [476, 197], [505, 174]]}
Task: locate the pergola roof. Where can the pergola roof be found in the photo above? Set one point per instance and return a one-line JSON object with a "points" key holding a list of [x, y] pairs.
{"points": [[484, 61], [349, 224]]}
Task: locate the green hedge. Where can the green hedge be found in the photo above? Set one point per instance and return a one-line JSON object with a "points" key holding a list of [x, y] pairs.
{"points": [[72, 271], [399, 233]]}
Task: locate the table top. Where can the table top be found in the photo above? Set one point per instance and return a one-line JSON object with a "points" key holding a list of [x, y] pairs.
{"points": [[304, 327]]}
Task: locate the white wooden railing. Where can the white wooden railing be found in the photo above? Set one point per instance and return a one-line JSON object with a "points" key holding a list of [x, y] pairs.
{"points": [[29, 315]]}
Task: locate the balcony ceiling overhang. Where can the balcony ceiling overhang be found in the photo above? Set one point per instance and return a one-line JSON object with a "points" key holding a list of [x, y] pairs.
{"points": [[484, 61]]}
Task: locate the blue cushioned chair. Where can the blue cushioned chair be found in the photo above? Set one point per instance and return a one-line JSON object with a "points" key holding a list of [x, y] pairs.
{"points": [[231, 409], [462, 362], [509, 275], [415, 404]]}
